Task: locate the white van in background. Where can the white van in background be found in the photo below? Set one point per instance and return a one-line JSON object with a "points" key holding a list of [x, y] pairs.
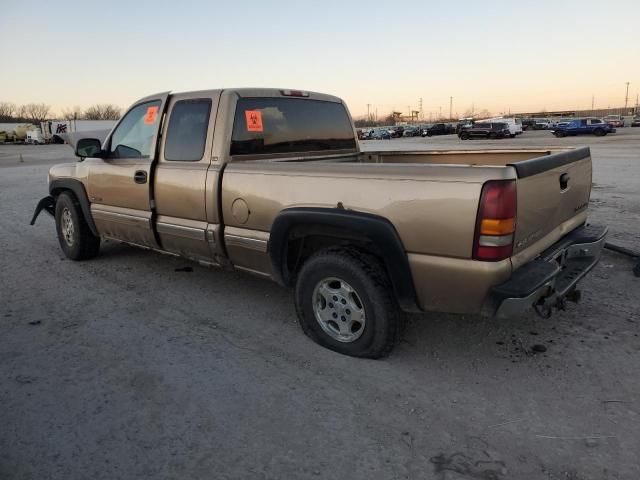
{"points": [[514, 124]]}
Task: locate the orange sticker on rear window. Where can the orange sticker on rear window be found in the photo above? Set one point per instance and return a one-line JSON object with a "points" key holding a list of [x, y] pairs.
{"points": [[150, 117], [254, 120]]}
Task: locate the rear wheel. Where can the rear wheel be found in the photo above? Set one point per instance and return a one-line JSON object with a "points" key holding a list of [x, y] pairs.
{"points": [[345, 302], [599, 132], [75, 237], [464, 136]]}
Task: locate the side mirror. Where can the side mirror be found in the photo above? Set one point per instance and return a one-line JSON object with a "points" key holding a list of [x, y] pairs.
{"points": [[89, 147]]}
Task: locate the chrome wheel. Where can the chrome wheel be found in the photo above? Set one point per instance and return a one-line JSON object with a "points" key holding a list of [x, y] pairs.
{"points": [[339, 310], [66, 225]]}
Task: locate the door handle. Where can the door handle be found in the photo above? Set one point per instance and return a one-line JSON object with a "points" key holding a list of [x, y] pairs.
{"points": [[140, 176]]}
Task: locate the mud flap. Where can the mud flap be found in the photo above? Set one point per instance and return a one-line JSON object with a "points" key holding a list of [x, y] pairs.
{"points": [[48, 203]]}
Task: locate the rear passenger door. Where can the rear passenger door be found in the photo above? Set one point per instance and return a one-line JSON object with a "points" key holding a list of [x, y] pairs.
{"points": [[180, 184]]}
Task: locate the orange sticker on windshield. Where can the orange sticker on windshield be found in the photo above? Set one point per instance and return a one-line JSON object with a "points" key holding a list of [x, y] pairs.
{"points": [[254, 120], [150, 117]]}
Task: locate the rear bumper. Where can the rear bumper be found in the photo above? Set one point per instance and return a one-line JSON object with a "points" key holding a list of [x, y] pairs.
{"points": [[552, 277]]}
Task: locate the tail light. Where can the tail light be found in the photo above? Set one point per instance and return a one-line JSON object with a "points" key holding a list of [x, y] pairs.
{"points": [[496, 221]]}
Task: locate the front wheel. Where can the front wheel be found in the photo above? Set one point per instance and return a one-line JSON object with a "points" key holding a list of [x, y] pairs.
{"points": [[464, 136], [599, 132], [345, 302], [75, 237]]}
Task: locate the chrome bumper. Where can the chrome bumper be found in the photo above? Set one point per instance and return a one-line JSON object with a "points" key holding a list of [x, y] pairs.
{"points": [[549, 280]]}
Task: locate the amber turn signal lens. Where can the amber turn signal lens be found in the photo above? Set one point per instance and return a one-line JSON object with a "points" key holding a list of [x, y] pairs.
{"points": [[491, 226]]}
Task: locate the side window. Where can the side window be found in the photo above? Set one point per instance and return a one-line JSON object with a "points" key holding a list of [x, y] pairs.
{"points": [[595, 121], [133, 136], [187, 131]]}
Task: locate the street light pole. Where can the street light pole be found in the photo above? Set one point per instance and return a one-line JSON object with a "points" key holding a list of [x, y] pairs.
{"points": [[450, 107], [626, 97]]}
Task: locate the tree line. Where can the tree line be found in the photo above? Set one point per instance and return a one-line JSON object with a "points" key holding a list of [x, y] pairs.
{"points": [[39, 112]]}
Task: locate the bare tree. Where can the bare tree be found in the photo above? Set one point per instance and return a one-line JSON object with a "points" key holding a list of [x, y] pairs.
{"points": [[37, 112], [73, 113], [21, 112], [102, 112], [7, 111]]}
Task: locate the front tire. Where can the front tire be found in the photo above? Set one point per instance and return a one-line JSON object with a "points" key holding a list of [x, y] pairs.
{"points": [[599, 132], [345, 302], [75, 237], [464, 136]]}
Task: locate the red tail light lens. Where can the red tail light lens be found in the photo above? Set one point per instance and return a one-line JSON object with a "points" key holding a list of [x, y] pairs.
{"points": [[496, 221]]}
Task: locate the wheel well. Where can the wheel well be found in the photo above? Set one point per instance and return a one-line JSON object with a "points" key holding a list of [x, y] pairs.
{"points": [[55, 192], [76, 188], [305, 240], [299, 232]]}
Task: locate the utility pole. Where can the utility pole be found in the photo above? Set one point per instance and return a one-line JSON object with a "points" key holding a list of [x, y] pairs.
{"points": [[592, 99], [440, 118], [368, 116], [626, 97], [450, 107], [421, 115]]}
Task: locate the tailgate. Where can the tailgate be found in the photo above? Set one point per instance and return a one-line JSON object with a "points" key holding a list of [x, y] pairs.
{"points": [[550, 190]]}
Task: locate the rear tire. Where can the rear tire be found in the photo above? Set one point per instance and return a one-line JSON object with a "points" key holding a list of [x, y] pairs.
{"points": [[464, 136], [75, 237], [345, 303], [599, 132]]}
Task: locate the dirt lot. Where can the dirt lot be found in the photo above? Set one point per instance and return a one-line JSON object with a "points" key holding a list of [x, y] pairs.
{"points": [[124, 367]]}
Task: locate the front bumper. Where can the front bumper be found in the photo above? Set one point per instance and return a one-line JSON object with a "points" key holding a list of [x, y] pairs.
{"points": [[550, 279]]}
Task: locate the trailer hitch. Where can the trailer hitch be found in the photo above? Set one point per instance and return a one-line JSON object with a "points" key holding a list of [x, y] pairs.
{"points": [[544, 307]]}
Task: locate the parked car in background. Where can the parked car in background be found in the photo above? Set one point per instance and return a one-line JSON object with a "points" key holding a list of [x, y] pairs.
{"points": [[541, 125], [411, 132], [380, 134], [527, 123], [438, 129], [616, 121], [636, 121], [485, 130], [396, 132], [583, 126], [514, 124], [462, 123], [365, 133]]}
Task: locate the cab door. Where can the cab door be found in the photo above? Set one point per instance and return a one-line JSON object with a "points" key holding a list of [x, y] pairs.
{"points": [[182, 175], [119, 184]]}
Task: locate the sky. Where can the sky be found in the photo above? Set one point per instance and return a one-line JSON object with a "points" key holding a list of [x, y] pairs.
{"points": [[497, 55]]}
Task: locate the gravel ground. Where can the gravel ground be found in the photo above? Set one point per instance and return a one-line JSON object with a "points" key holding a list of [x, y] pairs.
{"points": [[123, 367]]}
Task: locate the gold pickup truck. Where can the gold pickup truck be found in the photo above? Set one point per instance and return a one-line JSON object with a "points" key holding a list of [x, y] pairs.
{"points": [[273, 182]]}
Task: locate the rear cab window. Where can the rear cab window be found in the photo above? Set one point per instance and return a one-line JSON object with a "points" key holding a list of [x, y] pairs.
{"points": [[269, 125]]}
